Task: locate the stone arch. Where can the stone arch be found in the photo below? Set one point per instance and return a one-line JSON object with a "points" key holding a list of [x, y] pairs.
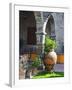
{"points": [[49, 27]]}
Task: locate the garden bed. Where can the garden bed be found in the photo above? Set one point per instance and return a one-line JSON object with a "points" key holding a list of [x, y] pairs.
{"points": [[45, 74]]}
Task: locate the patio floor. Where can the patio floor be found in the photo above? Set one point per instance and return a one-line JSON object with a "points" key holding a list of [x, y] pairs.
{"points": [[59, 67]]}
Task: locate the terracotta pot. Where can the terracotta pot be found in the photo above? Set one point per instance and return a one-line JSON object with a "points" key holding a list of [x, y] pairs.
{"points": [[50, 60]]}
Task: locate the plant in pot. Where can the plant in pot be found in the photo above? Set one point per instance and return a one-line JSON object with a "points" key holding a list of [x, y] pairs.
{"points": [[50, 57], [35, 64]]}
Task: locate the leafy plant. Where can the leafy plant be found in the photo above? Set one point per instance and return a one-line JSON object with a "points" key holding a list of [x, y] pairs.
{"points": [[36, 62], [49, 44]]}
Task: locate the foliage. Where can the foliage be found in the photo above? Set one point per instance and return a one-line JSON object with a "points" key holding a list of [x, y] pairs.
{"points": [[36, 62], [49, 44]]}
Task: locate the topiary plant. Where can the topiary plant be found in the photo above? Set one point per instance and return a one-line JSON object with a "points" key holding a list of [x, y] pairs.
{"points": [[49, 44]]}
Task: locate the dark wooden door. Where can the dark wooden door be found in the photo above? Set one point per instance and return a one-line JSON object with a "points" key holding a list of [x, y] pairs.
{"points": [[31, 36]]}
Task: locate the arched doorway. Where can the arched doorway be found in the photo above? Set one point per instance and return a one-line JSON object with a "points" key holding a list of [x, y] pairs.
{"points": [[49, 27], [27, 29]]}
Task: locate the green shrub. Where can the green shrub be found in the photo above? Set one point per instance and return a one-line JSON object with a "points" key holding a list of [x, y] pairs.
{"points": [[49, 44], [36, 62]]}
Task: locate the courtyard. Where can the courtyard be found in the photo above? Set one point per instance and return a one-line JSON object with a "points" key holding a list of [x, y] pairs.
{"points": [[39, 33]]}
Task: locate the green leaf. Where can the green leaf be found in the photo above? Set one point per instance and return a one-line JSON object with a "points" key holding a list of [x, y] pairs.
{"points": [[49, 44]]}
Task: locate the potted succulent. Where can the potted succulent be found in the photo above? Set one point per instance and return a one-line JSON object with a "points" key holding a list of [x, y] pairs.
{"points": [[35, 64], [50, 57]]}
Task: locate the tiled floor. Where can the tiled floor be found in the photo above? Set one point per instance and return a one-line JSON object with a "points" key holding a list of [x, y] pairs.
{"points": [[59, 67]]}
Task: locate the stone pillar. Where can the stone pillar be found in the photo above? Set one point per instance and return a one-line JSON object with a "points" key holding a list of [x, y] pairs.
{"points": [[39, 26]]}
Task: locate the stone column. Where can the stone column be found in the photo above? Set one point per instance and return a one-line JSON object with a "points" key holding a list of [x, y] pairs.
{"points": [[39, 26]]}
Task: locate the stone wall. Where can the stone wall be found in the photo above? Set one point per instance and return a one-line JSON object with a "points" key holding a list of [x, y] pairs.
{"points": [[42, 21], [41, 18]]}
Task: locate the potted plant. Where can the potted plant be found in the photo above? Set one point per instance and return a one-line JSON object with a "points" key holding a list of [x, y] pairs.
{"points": [[50, 56], [35, 64]]}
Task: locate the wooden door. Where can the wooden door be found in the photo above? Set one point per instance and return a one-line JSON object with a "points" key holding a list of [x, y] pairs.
{"points": [[31, 36]]}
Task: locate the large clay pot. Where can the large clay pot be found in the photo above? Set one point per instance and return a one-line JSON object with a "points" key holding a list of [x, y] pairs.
{"points": [[50, 60]]}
